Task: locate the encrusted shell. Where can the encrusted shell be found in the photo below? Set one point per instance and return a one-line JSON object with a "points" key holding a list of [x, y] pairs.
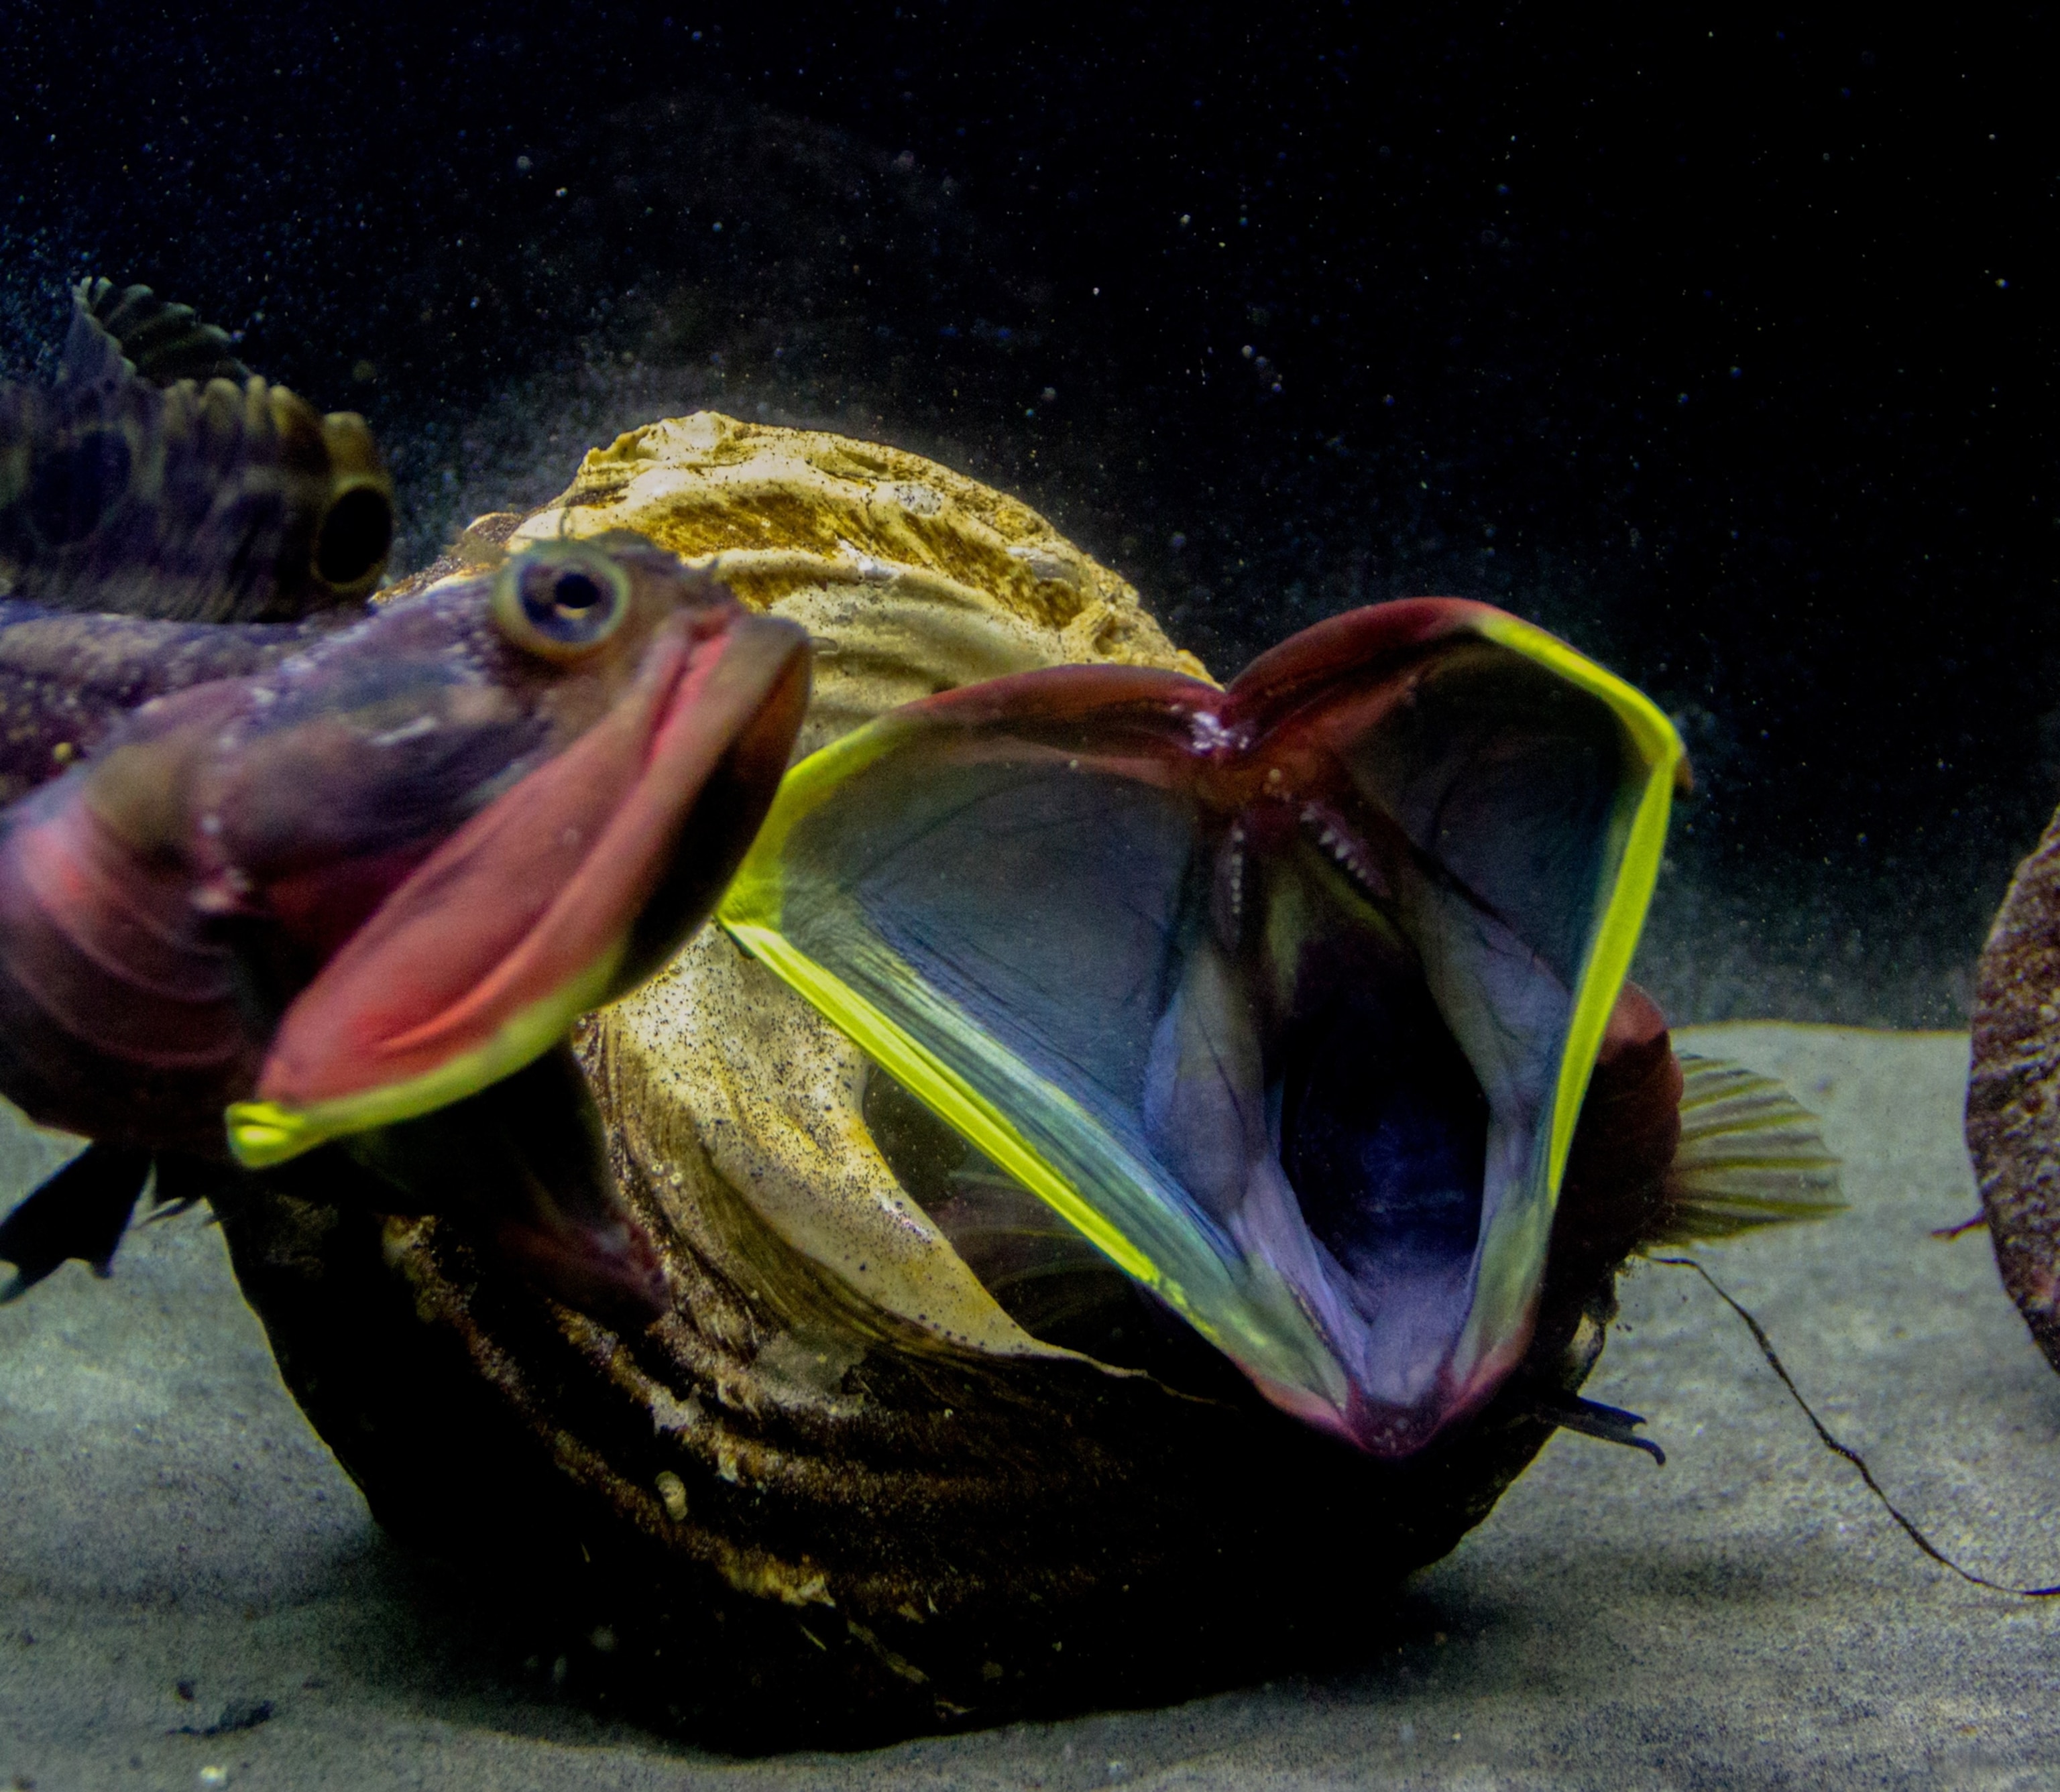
{"points": [[838, 1474]]}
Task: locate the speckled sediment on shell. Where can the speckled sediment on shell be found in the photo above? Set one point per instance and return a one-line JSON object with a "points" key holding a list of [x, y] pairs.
{"points": [[910, 579]]}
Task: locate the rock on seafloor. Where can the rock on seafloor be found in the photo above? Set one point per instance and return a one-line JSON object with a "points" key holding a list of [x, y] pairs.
{"points": [[169, 1526], [2014, 1092]]}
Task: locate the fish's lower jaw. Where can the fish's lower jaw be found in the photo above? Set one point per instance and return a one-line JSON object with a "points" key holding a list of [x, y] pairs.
{"points": [[1373, 1426], [267, 1130], [611, 1271], [263, 1133]]}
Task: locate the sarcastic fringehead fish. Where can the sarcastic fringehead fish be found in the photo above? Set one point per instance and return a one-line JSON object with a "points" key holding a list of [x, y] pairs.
{"points": [[337, 894], [1286, 997], [278, 883]]}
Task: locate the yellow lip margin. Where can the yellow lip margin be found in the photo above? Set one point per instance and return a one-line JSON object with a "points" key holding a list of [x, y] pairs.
{"points": [[1642, 839], [263, 1133], [1511, 1263]]}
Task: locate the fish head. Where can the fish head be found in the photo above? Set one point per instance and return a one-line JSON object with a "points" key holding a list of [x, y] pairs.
{"points": [[1286, 997], [438, 837]]}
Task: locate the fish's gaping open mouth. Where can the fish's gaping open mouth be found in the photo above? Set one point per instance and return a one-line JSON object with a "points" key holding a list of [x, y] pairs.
{"points": [[1285, 997], [559, 896]]}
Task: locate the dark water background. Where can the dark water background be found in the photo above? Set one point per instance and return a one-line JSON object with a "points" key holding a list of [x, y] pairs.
{"points": [[1721, 347]]}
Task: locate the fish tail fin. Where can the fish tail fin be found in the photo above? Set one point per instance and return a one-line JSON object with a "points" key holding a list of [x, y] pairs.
{"points": [[1751, 1154], [80, 1211]]}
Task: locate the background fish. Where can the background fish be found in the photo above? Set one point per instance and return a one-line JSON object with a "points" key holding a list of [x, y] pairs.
{"points": [[160, 477]]}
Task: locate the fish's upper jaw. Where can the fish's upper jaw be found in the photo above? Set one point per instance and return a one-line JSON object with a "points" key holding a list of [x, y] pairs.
{"points": [[582, 878]]}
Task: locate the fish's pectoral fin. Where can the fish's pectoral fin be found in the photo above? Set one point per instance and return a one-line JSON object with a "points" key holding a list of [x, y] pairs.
{"points": [[81, 1211], [1751, 1154], [1591, 1418]]}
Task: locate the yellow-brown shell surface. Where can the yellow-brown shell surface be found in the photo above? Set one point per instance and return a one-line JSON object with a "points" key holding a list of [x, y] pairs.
{"points": [[839, 1474]]}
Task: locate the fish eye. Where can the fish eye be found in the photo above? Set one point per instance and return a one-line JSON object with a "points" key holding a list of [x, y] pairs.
{"points": [[560, 600]]}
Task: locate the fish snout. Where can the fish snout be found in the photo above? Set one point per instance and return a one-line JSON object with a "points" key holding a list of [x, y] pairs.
{"points": [[569, 888]]}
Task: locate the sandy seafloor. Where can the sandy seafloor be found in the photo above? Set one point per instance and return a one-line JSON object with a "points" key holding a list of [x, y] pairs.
{"points": [[1747, 1616]]}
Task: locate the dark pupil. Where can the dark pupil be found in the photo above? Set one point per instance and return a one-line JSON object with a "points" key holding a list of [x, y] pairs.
{"points": [[566, 603], [577, 591]]}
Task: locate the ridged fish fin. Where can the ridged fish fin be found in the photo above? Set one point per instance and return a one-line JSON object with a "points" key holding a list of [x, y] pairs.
{"points": [[129, 331], [1751, 1154], [81, 1211]]}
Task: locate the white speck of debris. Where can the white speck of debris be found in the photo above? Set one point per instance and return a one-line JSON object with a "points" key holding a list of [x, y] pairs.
{"points": [[213, 1776], [871, 571], [918, 500]]}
